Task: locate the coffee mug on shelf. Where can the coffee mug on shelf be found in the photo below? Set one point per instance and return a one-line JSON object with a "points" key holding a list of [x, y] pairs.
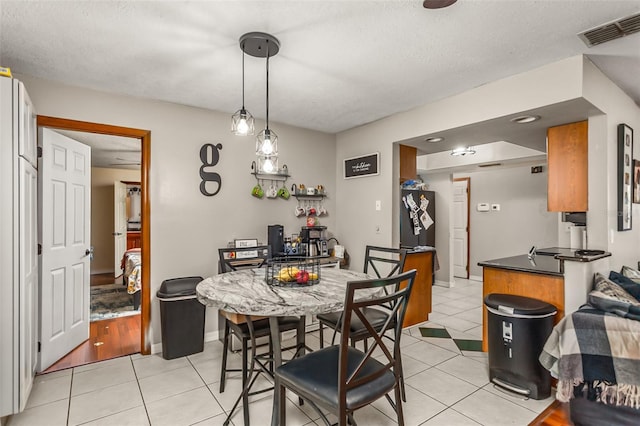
{"points": [[257, 191], [272, 192], [300, 211], [283, 193]]}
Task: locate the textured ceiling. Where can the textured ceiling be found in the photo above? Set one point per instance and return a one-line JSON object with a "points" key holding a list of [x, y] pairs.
{"points": [[341, 63]]}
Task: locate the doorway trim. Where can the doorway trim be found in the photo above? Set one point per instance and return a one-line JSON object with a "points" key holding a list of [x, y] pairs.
{"points": [[468, 179], [145, 231]]}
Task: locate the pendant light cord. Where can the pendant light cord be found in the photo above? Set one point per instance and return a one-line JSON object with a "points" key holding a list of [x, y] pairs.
{"points": [[268, 54], [243, 54]]}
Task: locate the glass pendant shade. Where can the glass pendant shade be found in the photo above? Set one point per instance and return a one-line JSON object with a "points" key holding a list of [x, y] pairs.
{"points": [[242, 123], [267, 143], [268, 165]]}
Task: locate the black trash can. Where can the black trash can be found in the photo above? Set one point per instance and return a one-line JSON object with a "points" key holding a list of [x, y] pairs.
{"points": [[517, 329], [181, 317]]}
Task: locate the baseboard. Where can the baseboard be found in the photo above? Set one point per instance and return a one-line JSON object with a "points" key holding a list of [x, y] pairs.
{"points": [[475, 278], [440, 283], [211, 336], [102, 271]]}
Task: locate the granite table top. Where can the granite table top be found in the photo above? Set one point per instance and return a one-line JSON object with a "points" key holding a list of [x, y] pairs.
{"points": [[246, 292]]}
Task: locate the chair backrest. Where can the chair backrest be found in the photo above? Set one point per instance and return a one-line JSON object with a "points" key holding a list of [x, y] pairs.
{"points": [[384, 261], [233, 259], [397, 291]]}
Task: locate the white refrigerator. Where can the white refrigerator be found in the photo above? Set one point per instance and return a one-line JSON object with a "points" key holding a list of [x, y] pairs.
{"points": [[18, 246]]}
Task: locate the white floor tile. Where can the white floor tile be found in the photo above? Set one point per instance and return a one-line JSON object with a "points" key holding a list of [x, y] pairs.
{"points": [[441, 386], [185, 408], [453, 323], [489, 409], [427, 353], [104, 402], [49, 389], [52, 414], [450, 417], [102, 364], [170, 383], [473, 315], [447, 309], [106, 376], [134, 417], [151, 365], [418, 408], [466, 369]]}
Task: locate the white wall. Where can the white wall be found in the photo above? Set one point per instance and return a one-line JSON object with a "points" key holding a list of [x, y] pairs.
{"points": [[187, 227], [523, 220], [553, 83], [602, 220], [102, 215], [565, 80]]}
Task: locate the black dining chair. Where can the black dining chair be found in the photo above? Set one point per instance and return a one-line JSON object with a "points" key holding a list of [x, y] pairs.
{"points": [[340, 378], [380, 262], [234, 259]]}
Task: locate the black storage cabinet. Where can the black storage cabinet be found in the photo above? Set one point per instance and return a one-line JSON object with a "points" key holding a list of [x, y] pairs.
{"points": [[517, 329], [181, 317]]}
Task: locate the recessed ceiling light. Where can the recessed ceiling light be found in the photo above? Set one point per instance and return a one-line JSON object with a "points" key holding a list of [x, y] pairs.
{"points": [[434, 140], [463, 151], [525, 119]]}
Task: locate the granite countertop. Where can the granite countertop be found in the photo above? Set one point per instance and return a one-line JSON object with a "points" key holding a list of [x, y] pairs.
{"points": [[546, 265], [547, 261]]}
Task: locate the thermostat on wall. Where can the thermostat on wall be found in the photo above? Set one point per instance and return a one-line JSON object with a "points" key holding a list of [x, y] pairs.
{"points": [[483, 207]]}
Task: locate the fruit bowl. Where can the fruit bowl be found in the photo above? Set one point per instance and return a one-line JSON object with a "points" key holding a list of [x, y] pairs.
{"points": [[293, 271]]}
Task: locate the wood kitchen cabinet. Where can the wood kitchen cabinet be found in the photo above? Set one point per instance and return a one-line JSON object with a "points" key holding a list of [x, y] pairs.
{"points": [[547, 288], [133, 240], [408, 168], [419, 306], [567, 174]]}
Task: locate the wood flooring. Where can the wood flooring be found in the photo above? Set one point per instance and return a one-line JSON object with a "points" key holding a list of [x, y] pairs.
{"points": [[556, 414], [110, 338]]}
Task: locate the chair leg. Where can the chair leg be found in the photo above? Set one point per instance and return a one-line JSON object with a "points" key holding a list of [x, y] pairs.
{"points": [[245, 396], [282, 404], [321, 328], [225, 350], [399, 406]]}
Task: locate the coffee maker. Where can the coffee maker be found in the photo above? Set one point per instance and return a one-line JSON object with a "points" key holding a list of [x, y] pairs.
{"points": [[275, 238], [313, 241]]}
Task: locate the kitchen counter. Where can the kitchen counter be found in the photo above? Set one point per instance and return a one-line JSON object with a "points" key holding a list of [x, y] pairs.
{"points": [[559, 276], [546, 265], [547, 261]]}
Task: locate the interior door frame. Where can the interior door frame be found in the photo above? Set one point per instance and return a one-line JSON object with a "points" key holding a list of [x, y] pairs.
{"points": [[145, 231], [468, 179]]}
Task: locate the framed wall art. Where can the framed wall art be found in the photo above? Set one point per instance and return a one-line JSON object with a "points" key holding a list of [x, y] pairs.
{"points": [[366, 165], [625, 176], [636, 181]]}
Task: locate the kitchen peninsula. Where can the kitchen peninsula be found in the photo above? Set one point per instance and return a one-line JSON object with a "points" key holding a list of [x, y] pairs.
{"points": [[560, 276]]}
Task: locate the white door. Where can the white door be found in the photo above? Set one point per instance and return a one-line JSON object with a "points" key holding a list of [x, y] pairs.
{"points": [[65, 173], [461, 228], [119, 224], [28, 277], [27, 143]]}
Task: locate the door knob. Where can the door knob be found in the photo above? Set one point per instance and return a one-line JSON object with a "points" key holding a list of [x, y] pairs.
{"points": [[89, 252]]}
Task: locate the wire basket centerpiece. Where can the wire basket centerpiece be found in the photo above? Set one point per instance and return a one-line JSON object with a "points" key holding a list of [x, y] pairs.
{"points": [[293, 271]]}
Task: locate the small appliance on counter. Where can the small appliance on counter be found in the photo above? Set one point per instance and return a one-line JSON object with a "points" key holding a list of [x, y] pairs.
{"points": [[313, 241], [275, 239]]}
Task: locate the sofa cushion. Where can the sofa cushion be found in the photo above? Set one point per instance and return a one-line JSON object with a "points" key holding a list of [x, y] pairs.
{"points": [[632, 287], [631, 273], [610, 297]]}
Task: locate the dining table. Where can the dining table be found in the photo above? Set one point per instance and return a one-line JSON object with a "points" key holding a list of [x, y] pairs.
{"points": [[246, 292]]}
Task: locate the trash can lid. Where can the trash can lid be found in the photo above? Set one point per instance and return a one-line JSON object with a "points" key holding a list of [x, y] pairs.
{"points": [[178, 287], [518, 305]]}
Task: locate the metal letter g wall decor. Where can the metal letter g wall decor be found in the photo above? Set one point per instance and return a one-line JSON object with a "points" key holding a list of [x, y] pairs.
{"points": [[209, 155]]}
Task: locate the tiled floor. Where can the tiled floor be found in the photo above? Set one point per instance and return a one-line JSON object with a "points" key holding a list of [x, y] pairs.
{"points": [[445, 386]]}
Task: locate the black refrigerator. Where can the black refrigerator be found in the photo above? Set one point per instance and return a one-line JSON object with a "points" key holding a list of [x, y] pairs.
{"points": [[417, 218]]}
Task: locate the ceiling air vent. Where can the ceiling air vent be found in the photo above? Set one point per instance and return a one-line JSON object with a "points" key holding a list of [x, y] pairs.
{"points": [[611, 31], [490, 165]]}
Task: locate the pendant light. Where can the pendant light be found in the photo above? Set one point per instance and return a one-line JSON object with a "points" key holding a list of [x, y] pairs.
{"points": [[267, 140], [242, 120], [262, 45]]}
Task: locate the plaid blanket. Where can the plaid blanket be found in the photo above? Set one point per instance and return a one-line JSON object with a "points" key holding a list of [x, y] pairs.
{"points": [[596, 355]]}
